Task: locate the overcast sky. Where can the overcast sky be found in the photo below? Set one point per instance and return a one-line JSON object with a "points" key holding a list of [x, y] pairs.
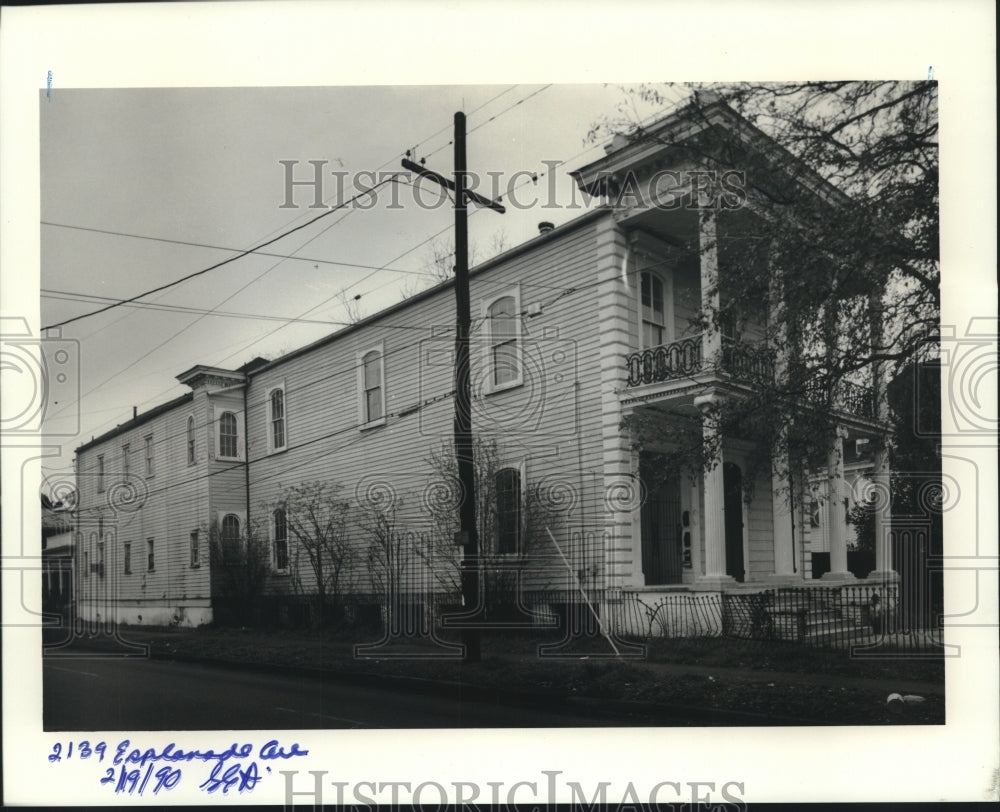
{"points": [[203, 166]]}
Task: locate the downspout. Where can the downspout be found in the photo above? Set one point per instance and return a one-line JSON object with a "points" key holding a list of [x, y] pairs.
{"points": [[246, 453]]}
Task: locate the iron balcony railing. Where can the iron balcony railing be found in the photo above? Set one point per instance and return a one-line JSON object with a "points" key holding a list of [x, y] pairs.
{"points": [[748, 363], [683, 358], [847, 396]]}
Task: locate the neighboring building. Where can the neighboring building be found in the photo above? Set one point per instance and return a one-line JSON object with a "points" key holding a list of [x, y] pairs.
{"points": [[57, 557], [577, 330]]}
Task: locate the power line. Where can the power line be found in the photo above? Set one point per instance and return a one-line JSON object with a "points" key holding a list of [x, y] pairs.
{"points": [[89, 298], [315, 260], [223, 262]]}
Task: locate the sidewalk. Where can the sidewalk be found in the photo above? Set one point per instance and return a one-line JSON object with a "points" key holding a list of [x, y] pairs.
{"points": [[637, 691]]}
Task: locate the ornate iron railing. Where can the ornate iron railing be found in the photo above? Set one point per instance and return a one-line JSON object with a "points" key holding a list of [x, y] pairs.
{"points": [[665, 363], [847, 396], [859, 400], [746, 362], [683, 358]]}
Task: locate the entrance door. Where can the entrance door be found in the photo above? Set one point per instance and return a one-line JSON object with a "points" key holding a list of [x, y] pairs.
{"points": [[661, 528], [732, 483]]}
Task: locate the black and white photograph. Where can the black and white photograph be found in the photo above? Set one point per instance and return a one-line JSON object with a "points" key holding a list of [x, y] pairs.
{"points": [[458, 413]]}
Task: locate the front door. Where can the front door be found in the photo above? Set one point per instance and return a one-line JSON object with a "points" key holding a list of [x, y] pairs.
{"points": [[661, 527], [732, 482]]}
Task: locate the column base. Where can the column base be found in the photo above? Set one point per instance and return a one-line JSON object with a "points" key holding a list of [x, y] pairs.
{"points": [[713, 583], [839, 577], [882, 576]]}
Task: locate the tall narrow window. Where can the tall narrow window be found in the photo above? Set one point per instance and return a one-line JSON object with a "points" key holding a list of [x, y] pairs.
{"points": [[227, 435], [277, 419], [86, 565], [280, 541], [100, 558], [195, 552], [372, 374], [652, 310], [230, 538], [150, 557], [508, 495], [100, 473], [149, 455], [503, 341], [126, 460], [128, 558], [190, 441]]}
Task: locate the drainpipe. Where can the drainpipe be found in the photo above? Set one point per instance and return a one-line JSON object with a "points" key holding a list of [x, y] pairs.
{"points": [[246, 453]]}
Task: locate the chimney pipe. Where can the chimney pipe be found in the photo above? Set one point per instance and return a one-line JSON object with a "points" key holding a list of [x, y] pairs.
{"points": [[545, 227], [135, 412]]}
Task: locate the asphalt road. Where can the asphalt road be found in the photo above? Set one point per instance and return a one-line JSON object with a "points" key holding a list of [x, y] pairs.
{"points": [[140, 694]]}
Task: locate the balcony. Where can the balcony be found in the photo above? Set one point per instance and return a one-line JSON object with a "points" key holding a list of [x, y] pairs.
{"points": [[848, 397], [683, 359]]}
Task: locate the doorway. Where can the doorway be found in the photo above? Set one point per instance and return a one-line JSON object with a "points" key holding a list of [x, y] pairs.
{"points": [[732, 483]]}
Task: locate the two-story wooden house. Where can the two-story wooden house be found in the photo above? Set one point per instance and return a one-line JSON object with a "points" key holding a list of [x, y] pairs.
{"points": [[583, 333]]}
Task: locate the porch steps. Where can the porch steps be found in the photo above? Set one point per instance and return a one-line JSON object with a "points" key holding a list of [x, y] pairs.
{"points": [[828, 624]]}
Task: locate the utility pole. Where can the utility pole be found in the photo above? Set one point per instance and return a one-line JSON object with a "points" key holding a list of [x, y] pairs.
{"points": [[468, 536]]}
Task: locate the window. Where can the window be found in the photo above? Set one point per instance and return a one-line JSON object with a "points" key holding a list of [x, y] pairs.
{"points": [[100, 473], [508, 495], [652, 310], [372, 374], [100, 528], [149, 455], [373, 386], [128, 558], [126, 461], [276, 418], [504, 328], [280, 541], [230, 538], [150, 557], [100, 558], [86, 565], [227, 435], [190, 441], [195, 553]]}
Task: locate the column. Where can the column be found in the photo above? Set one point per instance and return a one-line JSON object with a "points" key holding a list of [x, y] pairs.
{"points": [[883, 518], [713, 520], [835, 512], [708, 259], [781, 517]]}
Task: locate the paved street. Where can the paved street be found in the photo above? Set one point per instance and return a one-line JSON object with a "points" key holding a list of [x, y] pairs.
{"points": [[141, 694]]}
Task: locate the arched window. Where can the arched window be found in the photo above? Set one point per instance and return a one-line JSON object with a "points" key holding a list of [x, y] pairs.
{"points": [[227, 435], [503, 325], [653, 314], [230, 532], [280, 540], [277, 408], [190, 441], [508, 496], [373, 404], [231, 527]]}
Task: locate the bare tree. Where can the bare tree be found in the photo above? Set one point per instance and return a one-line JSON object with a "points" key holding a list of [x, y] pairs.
{"points": [[239, 558], [321, 552], [518, 527]]}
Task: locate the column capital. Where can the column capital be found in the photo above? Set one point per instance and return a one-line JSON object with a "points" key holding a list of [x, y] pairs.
{"points": [[708, 400]]}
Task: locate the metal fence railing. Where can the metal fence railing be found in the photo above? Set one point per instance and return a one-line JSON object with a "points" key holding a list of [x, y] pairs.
{"points": [[845, 617]]}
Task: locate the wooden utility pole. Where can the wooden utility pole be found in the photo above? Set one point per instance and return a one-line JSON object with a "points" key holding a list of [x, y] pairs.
{"points": [[468, 536]]}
